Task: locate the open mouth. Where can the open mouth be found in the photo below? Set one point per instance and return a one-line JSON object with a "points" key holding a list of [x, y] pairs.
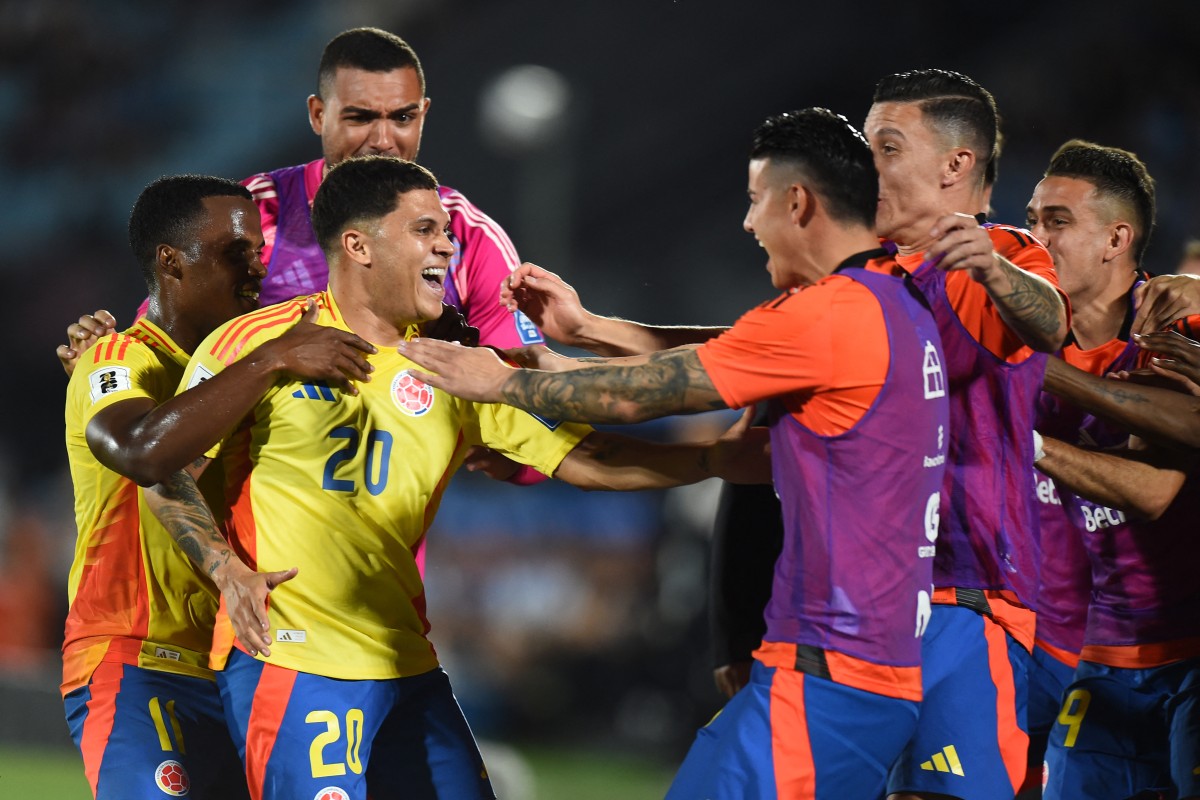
{"points": [[250, 293], [434, 276]]}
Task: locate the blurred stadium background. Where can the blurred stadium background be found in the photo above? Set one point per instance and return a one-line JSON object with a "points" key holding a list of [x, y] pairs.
{"points": [[609, 139]]}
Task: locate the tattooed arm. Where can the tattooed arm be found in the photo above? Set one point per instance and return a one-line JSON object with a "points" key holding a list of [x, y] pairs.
{"points": [[179, 506], [1028, 304], [670, 382], [1163, 416]]}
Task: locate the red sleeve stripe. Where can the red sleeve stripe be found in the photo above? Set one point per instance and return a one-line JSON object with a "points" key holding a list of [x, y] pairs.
{"points": [[229, 344], [152, 339]]}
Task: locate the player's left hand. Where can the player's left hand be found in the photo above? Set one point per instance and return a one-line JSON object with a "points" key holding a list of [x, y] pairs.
{"points": [[472, 373], [451, 326], [960, 242], [1164, 299], [245, 593]]}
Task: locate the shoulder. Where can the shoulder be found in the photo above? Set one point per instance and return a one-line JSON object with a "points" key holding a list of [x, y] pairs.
{"points": [[261, 186], [244, 333], [1009, 239]]}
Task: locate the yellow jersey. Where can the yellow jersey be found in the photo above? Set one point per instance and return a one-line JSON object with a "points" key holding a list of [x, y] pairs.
{"points": [[134, 596], [344, 487]]}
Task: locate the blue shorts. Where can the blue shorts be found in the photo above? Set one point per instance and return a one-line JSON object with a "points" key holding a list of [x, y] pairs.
{"points": [[308, 736], [145, 733], [1124, 731], [792, 735], [1048, 681], [971, 739]]}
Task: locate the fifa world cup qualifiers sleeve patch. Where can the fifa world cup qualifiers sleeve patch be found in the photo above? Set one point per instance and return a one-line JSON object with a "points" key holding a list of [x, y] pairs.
{"points": [[109, 380], [199, 376], [528, 331]]}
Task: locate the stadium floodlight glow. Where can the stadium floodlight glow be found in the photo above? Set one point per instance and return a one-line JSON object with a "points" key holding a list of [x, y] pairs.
{"points": [[524, 108]]}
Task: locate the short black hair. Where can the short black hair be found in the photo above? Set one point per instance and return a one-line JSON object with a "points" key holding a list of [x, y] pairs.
{"points": [[368, 49], [165, 212], [360, 189], [831, 153], [1116, 174], [958, 107]]}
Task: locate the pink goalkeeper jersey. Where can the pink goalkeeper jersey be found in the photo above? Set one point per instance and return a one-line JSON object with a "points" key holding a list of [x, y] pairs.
{"points": [[483, 254]]}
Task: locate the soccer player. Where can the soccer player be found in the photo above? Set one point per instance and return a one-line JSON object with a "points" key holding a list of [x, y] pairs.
{"points": [[1094, 210], [1127, 718], [344, 486], [140, 699], [848, 357], [934, 133]]}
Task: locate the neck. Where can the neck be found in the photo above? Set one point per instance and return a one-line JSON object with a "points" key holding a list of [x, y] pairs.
{"points": [[354, 301], [1097, 315], [823, 256], [956, 200], [162, 314]]}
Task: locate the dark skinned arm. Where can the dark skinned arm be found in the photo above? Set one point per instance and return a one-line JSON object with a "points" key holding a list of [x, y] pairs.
{"points": [[148, 443], [1163, 416]]}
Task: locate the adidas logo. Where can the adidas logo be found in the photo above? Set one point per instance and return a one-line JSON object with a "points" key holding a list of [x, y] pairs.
{"points": [[311, 391], [945, 761]]}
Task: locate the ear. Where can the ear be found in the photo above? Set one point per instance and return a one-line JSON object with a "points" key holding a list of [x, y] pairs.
{"points": [[1120, 240], [168, 261], [425, 106], [356, 245], [958, 166], [316, 113], [802, 204]]}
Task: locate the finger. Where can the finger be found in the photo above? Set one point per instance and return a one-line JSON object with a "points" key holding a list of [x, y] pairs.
{"points": [[276, 578], [106, 319], [311, 312], [1168, 342], [424, 377], [66, 353]]}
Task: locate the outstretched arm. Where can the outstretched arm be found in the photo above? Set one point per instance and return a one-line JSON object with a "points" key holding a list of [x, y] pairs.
{"points": [[609, 461], [671, 382], [554, 306], [148, 443], [1163, 416], [1140, 482], [1028, 304], [179, 506]]}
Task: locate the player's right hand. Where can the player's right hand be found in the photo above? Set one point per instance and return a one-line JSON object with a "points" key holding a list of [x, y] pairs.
{"points": [[548, 300], [320, 353], [245, 593], [82, 335]]}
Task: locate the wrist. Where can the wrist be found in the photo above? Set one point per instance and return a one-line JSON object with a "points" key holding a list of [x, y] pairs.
{"points": [[1039, 449], [226, 568]]}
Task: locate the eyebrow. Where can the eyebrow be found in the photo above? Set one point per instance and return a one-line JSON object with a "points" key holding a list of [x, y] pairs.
{"points": [[1051, 209], [890, 132], [358, 111]]}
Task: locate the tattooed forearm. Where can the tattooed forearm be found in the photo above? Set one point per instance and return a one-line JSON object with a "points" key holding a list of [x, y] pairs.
{"points": [[1032, 308], [673, 382], [181, 509]]}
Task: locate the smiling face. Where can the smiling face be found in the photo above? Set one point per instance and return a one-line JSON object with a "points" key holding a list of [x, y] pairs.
{"points": [[369, 113], [910, 158], [769, 219], [1075, 224], [409, 252], [221, 271]]}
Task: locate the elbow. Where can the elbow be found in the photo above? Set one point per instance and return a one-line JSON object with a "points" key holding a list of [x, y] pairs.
{"points": [[137, 465], [1052, 342]]}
